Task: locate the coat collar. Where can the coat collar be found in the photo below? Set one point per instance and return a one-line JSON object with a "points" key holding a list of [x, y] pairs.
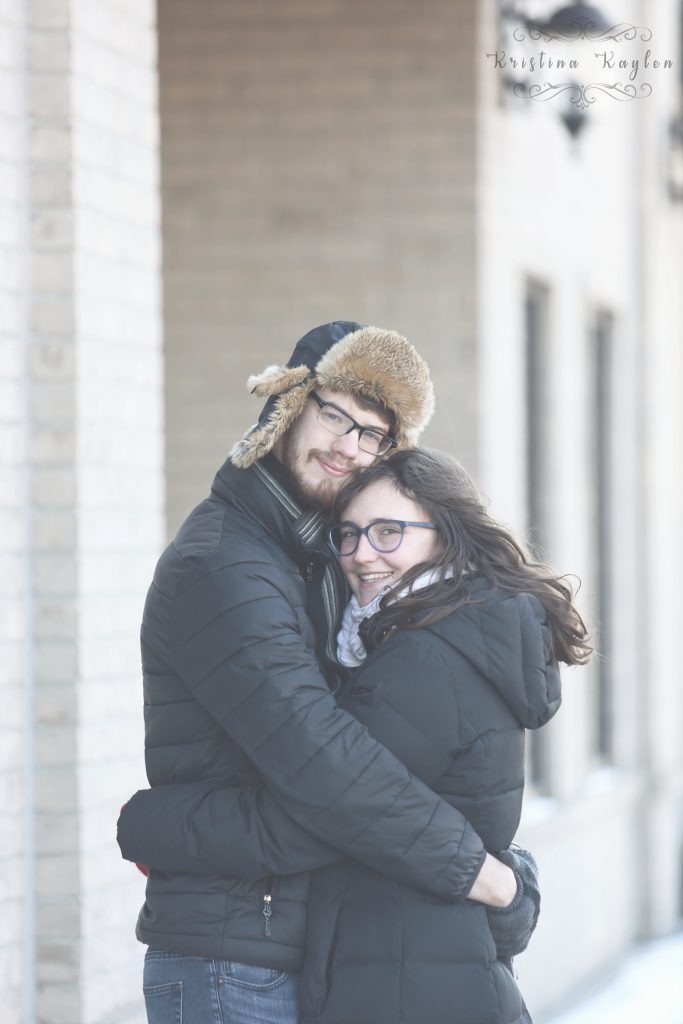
{"points": [[262, 491]]}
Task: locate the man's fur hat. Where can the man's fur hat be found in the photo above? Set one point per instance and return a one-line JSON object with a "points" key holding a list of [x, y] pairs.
{"points": [[342, 356]]}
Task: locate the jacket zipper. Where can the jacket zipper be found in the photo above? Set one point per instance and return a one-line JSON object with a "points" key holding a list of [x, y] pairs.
{"points": [[267, 908]]}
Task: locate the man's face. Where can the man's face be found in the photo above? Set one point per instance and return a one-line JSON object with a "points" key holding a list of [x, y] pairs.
{"points": [[320, 462]]}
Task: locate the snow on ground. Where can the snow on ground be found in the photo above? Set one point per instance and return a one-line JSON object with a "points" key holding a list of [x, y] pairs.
{"points": [[647, 988]]}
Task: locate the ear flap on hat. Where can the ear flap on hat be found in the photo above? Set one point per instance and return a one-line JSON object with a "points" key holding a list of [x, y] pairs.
{"points": [[276, 379], [280, 413]]}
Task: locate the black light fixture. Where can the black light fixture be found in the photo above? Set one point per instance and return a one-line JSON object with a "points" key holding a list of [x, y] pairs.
{"points": [[575, 21], [574, 119], [571, 23]]}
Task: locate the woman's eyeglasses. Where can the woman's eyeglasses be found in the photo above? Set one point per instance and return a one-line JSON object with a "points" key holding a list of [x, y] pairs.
{"points": [[374, 442], [384, 535]]}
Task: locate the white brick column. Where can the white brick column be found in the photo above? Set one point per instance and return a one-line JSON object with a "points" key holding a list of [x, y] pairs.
{"points": [[95, 425], [15, 859]]}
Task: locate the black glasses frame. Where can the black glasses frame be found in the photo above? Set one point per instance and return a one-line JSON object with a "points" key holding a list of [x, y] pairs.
{"points": [[386, 440], [360, 530]]}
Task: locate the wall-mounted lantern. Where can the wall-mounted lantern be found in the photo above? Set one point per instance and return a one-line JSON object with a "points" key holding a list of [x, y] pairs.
{"points": [[573, 24]]}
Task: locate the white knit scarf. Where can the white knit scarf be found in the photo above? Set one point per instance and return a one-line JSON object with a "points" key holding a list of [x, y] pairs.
{"points": [[350, 648]]}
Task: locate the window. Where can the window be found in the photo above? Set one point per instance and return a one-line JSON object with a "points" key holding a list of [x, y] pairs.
{"points": [[602, 332], [536, 315], [537, 386]]}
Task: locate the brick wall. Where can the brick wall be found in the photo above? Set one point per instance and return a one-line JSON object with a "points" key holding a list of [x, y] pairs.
{"points": [[120, 489], [81, 413], [54, 554], [318, 163], [14, 607]]}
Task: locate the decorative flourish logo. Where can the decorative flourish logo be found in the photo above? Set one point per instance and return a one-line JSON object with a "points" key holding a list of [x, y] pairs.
{"points": [[520, 65], [580, 94], [585, 28]]}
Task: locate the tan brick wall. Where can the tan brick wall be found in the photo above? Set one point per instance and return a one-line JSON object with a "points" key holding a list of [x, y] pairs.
{"points": [[318, 163]]}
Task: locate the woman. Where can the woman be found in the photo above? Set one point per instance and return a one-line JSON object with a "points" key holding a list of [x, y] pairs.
{"points": [[456, 636], [452, 637]]}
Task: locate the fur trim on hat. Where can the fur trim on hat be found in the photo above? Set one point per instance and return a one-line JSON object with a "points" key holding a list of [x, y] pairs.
{"points": [[370, 363], [276, 379], [384, 366], [289, 404]]}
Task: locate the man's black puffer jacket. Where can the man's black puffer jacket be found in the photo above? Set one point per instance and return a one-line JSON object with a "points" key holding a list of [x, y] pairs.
{"points": [[234, 695], [452, 701]]}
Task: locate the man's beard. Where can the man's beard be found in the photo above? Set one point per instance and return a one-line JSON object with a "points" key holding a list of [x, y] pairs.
{"points": [[308, 495]]}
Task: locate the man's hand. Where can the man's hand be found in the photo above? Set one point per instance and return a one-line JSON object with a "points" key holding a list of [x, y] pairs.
{"points": [[142, 868], [495, 885]]}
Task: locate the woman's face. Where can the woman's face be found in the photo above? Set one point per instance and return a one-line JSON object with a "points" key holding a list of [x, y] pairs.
{"points": [[368, 571]]}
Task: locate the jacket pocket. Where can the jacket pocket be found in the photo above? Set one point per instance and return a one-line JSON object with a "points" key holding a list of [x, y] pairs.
{"points": [[489, 942], [267, 906], [164, 1003]]}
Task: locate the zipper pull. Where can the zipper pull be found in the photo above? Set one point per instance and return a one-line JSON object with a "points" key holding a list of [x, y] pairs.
{"points": [[308, 571], [267, 911]]}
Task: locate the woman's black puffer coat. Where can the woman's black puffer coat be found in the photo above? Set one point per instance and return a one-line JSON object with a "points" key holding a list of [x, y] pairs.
{"points": [[451, 701]]}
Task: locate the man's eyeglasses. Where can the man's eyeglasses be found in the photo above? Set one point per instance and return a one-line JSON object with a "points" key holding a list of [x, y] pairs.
{"points": [[374, 442], [384, 535]]}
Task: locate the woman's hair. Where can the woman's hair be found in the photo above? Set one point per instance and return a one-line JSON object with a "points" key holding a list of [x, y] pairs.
{"points": [[470, 543]]}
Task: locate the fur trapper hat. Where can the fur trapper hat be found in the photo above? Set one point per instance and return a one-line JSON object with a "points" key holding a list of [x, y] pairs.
{"points": [[343, 356]]}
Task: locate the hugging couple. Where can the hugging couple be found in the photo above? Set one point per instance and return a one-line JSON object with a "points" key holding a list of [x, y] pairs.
{"points": [[342, 650]]}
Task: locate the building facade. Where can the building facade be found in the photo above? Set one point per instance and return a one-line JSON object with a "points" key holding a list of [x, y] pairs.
{"points": [[296, 162]]}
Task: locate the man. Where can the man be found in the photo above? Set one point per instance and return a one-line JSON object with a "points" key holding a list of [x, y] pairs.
{"points": [[239, 621]]}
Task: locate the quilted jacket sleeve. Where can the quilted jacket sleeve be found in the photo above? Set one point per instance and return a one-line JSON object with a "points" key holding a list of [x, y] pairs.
{"points": [[198, 828], [238, 647]]}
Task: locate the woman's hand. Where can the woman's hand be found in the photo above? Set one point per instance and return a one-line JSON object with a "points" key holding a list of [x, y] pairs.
{"points": [[495, 885], [512, 927]]}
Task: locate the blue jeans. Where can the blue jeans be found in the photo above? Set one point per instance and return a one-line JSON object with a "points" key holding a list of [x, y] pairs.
{"points": [[183, 989]]}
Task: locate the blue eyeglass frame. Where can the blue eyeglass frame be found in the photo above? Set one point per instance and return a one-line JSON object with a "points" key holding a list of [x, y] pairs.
{"points": [[360, 530]]}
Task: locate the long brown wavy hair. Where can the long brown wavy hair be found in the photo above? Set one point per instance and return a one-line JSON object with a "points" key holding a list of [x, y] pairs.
{"points": [[471, 544]]}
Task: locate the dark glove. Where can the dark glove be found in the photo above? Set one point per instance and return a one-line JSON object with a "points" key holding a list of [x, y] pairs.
{"points": [[513, 926]]}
